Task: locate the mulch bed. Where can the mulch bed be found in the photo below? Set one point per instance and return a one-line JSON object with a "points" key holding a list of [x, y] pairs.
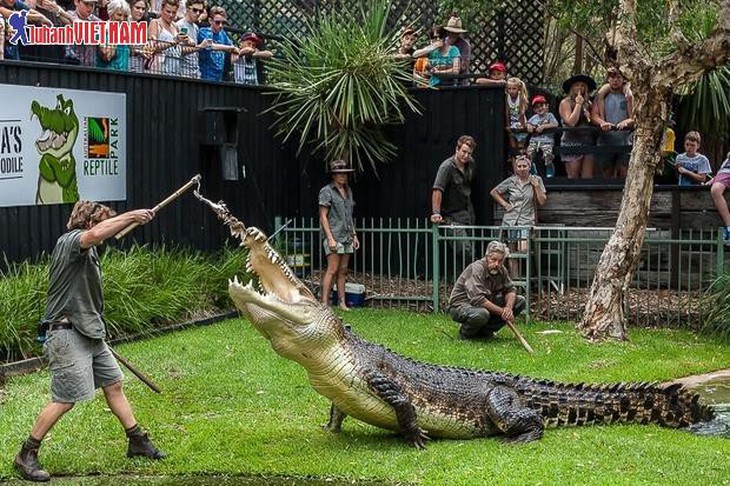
{"points": [[645, 308]]}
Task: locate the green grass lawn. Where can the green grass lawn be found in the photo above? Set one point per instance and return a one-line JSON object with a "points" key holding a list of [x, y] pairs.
{"points": [[231, 406]]}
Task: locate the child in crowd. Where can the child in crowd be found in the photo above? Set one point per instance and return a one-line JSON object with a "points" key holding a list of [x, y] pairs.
{"points": [[516, 103], [665, 173], [407, 44], [692, 167], [244, 62], [497, 75], [719, 183], [539, 126]]}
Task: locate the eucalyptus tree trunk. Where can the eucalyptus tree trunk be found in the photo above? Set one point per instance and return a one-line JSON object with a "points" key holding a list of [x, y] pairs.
{"points": [[653, 81]]}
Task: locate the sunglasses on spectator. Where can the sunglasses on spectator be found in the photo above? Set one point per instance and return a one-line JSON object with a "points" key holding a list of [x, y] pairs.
{"points": [[197, 10], [219, 22]]}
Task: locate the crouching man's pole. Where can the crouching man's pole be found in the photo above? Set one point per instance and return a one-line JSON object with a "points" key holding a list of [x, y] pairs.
{"points": [[192, 182]]}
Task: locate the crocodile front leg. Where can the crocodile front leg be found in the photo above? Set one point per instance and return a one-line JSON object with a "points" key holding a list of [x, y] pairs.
{"points": [[337, 416], [518, 422], [392, 394]]}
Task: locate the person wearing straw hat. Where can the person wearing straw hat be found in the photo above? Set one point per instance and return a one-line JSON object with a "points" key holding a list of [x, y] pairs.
{"points": [[454, 37], [575, 116], [336, 206]]}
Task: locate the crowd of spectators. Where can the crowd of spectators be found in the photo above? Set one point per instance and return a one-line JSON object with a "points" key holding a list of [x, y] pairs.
{"points": [[185, 38], [590, 133]]}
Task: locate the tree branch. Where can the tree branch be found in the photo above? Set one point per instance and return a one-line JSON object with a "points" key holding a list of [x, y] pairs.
{"points": [[574, 31], [675, 32], [688, 65]]}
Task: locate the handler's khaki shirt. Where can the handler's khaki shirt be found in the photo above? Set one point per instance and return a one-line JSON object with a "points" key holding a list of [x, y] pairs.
{"points": [[476, 285], [522, 198], [74, 288]]}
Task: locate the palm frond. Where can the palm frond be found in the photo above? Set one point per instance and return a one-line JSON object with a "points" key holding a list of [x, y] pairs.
{"points": [[340, 86]]}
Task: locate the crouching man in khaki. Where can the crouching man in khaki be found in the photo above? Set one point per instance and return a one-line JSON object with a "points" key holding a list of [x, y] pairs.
{"points": [[484, 298], [78, 356]]}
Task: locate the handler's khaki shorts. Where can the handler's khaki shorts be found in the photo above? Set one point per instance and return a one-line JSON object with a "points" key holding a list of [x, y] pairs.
{"points": [[79, 365]]}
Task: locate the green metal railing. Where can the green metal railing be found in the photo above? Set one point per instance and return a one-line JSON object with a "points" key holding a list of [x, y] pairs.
{"points": [[412, 263]]}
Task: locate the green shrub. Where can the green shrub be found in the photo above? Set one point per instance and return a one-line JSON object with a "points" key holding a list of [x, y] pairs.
{"points": [[717, 305], [22, 303], [145, 289]]}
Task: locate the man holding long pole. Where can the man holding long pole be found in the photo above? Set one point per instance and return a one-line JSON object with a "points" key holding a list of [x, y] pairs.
{"points": [[79, 359], [484, 298]]}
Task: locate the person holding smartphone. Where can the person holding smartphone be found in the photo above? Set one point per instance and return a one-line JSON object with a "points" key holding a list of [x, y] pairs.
{"points": [[188, 26]]}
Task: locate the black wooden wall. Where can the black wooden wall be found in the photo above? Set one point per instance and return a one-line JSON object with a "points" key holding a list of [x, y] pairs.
{"points": [[176, 128]]}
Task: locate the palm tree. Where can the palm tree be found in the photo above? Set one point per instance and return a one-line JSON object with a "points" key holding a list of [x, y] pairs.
{"points": [[338, 87], [706, 108]]}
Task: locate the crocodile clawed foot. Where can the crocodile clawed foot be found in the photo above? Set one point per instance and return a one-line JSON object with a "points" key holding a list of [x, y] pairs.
{"points": [[418, 438], [330, 427]]}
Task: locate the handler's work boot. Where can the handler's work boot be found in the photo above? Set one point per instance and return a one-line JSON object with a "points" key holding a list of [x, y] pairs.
{"points": [[140, 444], [26, 462]]}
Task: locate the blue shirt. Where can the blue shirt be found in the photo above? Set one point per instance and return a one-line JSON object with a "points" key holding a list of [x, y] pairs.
{"points": [[212, 62], [437, 59]]}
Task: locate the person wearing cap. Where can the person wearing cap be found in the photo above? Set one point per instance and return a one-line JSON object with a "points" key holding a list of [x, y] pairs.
{"points": [[82, 54], [540, 126], [454, 36], [245, 68], [575, 115], [497, 75], [484, 297], [336, 206], [613, 114], [407, 44]]}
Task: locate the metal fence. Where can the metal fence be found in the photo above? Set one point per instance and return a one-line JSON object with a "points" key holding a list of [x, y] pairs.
{"points": [[412, 264]]}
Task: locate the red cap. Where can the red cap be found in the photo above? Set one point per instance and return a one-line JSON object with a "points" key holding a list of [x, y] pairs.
{"points": [[538, 99], [498, 66], [252, 37]]}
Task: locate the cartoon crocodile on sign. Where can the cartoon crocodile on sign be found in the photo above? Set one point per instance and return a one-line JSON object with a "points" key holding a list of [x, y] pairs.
{"points": [[57, 171], [419, 400]]}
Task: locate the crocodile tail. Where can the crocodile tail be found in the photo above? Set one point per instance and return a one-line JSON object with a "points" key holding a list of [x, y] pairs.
{"points": [[579, 404]]}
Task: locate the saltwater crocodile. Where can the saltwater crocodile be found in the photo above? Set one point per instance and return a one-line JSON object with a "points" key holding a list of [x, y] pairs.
{"points": [[370, 383]]}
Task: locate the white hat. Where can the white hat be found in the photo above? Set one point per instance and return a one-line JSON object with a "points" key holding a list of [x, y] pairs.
{"points": [[454, 25]]}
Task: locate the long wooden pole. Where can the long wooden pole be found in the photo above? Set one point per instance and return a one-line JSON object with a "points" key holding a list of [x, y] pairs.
{"points": [[195, 180], [519, 337], [135, 371]]}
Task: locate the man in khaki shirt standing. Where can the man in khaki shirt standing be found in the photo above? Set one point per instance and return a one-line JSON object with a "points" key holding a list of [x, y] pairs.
{"points": [[484, 298]]}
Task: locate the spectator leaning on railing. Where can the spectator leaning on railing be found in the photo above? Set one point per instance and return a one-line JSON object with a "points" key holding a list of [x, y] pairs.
{"points": [[7, 8], [454, 31], [575, 115], [213, 58], [83, 54], [115, 57], [613, 114], [139, 55], [244, 61], [719, 183], [189, 26], [167, 41]]}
